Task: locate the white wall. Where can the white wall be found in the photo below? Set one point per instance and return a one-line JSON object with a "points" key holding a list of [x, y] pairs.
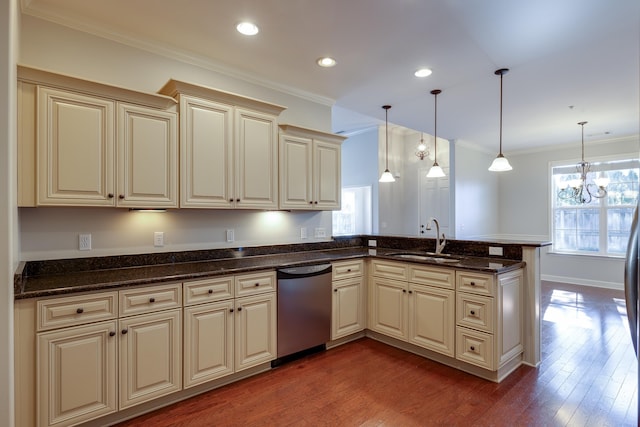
{"points": [[477, 193], [51, 233], [9, 25], [525, 210]]}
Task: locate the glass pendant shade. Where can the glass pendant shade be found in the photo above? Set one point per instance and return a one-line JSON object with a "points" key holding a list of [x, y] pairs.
{"points": [[386, 177], [500, 164], [435, 171]]}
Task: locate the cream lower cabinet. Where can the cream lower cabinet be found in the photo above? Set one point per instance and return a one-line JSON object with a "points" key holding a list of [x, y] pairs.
{"points": [[388, 303], [349, 298], [76, 377], [489, 331], [224, 334]]}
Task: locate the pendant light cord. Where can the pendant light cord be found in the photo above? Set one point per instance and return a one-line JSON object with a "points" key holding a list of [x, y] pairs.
{"points": [[501, 75]]}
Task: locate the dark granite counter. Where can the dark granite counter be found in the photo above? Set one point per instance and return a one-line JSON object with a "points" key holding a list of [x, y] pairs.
{"points": [[57, 277]]}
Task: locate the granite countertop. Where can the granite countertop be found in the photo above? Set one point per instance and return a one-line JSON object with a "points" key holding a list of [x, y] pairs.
{"points": [[69, 281]]}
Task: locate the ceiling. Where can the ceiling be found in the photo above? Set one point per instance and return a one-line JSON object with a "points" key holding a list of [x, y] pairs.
{"points": [[569, 60]]}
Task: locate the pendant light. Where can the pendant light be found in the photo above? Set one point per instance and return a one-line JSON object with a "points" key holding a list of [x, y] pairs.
{"points": [[386, 175], [435, 171], [500, 163]]}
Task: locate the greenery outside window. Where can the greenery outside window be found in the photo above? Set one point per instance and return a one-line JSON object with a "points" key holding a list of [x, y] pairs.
{"points": [[601, 226]]}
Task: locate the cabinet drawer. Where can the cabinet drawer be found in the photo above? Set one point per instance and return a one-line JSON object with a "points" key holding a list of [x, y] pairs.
{"points": [[389, 269], [76, 310], [208, 290], [474, 311], [347, 269], [255, 283], [475, 347], [441, 277], [149, 299], [477, 283]]}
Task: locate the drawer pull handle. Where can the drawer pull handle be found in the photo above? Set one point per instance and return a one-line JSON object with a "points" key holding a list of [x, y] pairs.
{"points": [[473, 313], [80, 310], [124, 331], [112, 333], [472, 348], [210, 291]]}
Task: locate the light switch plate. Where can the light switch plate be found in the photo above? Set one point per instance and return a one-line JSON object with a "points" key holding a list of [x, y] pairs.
{"points": [[303, 232], [158, 239], [230, 235]]}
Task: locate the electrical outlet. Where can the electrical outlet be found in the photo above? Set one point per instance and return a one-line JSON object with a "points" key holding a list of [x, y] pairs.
{"points": [[84, 242], [230, 235], [158, 239], [319, 232], [373, 243], [493, 250]]}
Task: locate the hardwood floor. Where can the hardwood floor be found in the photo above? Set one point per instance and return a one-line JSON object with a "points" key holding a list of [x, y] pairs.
{"points": [[588, 377]]}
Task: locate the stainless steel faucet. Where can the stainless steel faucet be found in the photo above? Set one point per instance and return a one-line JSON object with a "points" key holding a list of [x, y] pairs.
{"points": [[439, 244]]}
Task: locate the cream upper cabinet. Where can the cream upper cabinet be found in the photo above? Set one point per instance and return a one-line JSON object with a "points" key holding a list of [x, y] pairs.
{"points": [[229, 148], [147, 157], [76, 149], [206, 154], [83, 143], [309, 169]]}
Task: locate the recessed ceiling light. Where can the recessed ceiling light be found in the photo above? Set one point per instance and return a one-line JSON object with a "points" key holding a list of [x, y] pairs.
{"points": [[423, 72], [247, 28], [326, 62]]}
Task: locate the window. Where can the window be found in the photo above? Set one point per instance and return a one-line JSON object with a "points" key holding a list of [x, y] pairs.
{"points": [[355, 216], [600, 226]]}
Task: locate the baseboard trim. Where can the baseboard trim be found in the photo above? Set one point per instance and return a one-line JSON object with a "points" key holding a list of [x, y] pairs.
{"points": [[582, 282]]}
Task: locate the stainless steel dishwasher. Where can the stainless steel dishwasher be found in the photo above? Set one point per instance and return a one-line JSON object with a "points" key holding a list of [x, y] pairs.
{"points": [[304, 309]]}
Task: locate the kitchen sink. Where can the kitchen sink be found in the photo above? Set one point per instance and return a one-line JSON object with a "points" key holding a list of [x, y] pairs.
{"points": [[425, 257]]}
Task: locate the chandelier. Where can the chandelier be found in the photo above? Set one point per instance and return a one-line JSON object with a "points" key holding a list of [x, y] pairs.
{"points": [[580, 190], [422, 150]]}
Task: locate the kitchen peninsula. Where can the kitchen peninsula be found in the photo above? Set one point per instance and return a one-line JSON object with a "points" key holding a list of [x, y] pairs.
{"points": [[178, 282]]}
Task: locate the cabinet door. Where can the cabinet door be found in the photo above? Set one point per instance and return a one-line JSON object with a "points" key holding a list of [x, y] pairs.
{"points": [[432, 318], [76, 149], [150, 356], [389, 307], [347, 307], [147, 157], [509, 316], [206, 154], [255, 334], [256, 151], [296, 171], [76, 378], [208, 342], [326, 169]]}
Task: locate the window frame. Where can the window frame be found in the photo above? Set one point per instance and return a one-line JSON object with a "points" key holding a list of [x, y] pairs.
{"points": [[603, 207]]}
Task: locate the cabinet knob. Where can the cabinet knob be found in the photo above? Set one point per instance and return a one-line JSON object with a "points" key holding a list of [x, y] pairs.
{"points": [[80, 310], [152, 299], [404, 290], [121, 196], [124, 331], [348, 270], [315, 203], [112, 334], [473, 313], [421, 231], [410, 292], [472, 283], [310, 202], [257, 284], [335, 290], [110, 195], [472, 348], [231, 200], [239, 308], [210, 291], [237, 200], [231, 310]]}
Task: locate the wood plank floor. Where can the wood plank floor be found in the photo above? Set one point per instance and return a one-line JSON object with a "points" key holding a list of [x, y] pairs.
{"points": [[588, 377]]}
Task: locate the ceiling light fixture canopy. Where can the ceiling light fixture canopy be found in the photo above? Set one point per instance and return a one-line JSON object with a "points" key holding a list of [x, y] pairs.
{"points": [[582, 190], [421, 150], [386, 175], [247, 28], [435, 171], [500, 163]]}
